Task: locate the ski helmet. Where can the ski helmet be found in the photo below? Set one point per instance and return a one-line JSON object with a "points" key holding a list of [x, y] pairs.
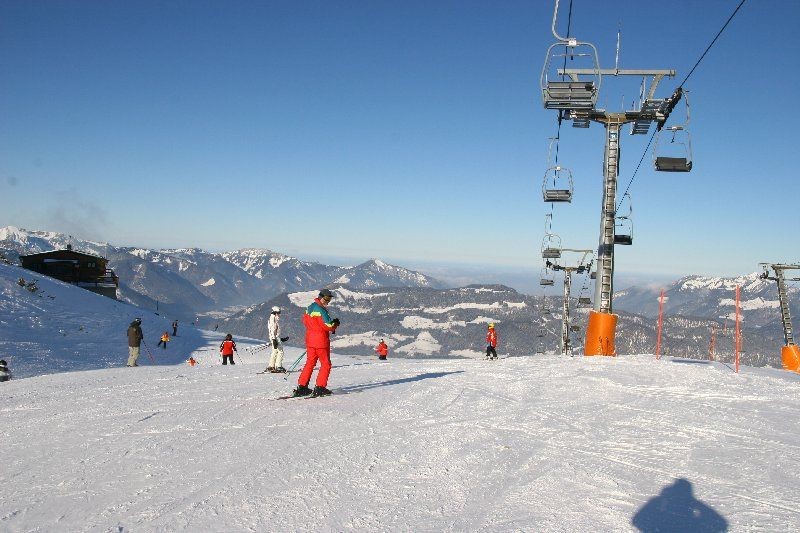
{"points": [[276, 309]]}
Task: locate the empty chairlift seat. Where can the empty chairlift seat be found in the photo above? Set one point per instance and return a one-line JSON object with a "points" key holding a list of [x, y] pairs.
{"points": [[676, 154], [570, 95], [572, 91], [673, 164], [546, 280], [623, 231], [557, 185]]}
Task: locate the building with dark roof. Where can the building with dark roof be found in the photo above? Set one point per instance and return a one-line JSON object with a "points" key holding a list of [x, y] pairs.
{"points": [[81, 269]]}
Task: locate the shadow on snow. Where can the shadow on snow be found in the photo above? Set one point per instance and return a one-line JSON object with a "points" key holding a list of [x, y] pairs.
{"points": [[677, 510], [419, 377]]}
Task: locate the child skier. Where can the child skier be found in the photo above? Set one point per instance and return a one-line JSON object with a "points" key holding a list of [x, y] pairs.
{"points": [[491, 343], [227, 348], [164, 340], [382, 350]]}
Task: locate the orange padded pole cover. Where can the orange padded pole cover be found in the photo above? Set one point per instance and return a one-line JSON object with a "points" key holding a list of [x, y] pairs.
{"points": [[790, 355], [600, 334]]}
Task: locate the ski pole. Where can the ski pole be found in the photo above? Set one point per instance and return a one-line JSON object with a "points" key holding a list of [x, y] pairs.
{"points": [[148, 352], [294, 365]]}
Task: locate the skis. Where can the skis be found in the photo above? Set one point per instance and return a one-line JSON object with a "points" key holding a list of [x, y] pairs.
{"points": [[310, 396]]}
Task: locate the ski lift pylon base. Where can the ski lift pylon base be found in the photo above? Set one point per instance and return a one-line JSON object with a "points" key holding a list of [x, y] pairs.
{"points": [[600, 333], [790, 357]]}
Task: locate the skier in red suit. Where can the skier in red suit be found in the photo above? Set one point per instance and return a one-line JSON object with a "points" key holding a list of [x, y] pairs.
{"points": [[319, 327], [382, 350]]}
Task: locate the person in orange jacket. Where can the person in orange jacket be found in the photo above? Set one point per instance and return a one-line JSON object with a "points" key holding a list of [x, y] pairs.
{"points": [[382, 350], [319, 327], [164, 340], [491, 343], [227, 348]]}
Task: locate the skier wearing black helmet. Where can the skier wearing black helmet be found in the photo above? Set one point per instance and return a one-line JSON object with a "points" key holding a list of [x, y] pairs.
{"points": [[135, 337]]}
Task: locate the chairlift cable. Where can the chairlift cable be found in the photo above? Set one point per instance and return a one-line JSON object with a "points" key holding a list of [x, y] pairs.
{"points": [[563, 75], [680, 87], [712, 42], [560, 112], [637, 169]]}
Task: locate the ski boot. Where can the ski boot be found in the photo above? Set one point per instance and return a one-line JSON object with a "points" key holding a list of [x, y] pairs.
{"points": [[280, 370], [270, 369], [320, 391], [301, 390]]}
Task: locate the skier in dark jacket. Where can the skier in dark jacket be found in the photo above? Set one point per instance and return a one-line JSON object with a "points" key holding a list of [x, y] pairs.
{"points": [[227, 348], [135, 337], [175, 328], [5, 374]]}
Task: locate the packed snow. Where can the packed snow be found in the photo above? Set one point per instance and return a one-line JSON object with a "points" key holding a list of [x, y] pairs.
{"points": [[521, 444], [524, 443]]}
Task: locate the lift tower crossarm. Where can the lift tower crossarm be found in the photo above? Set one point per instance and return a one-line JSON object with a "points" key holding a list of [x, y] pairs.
{"points": [[573, 72]]}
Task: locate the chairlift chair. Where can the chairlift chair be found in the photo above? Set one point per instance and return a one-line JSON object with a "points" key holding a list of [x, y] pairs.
{"points": [[551, 246], [562, 185], [545, 280], [623, 231], [676, 155], [623, 225], [573, 93], [584, 300]]}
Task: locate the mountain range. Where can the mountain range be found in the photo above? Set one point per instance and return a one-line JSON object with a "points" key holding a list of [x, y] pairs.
{"points": [[189, 283], [416, 314], [423, 322]]}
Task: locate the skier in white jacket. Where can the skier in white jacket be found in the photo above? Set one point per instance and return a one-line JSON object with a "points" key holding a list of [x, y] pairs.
{"points": [[274, 331]]}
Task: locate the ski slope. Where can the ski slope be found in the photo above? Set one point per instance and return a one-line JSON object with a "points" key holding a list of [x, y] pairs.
{"points": [[62, 328], [527, 443], [535, 443]]}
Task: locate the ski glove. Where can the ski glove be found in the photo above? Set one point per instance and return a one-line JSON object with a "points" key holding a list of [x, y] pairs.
{"points": [[284, 339], [275, 343], [335, 322]]}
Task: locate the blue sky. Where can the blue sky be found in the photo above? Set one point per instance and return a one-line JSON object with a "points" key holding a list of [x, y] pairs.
{"points": [[409, 131]]}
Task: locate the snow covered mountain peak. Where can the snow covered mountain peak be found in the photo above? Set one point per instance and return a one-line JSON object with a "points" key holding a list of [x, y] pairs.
{"points": [[748, 282]]}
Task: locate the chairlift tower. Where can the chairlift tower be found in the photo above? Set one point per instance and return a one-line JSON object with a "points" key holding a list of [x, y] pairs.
{"points": [[580, 268], [574, 94], [790, 353]]}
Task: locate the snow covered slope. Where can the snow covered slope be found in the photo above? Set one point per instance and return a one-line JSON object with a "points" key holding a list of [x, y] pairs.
{"points": [[536, 443], [60, 327]]}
